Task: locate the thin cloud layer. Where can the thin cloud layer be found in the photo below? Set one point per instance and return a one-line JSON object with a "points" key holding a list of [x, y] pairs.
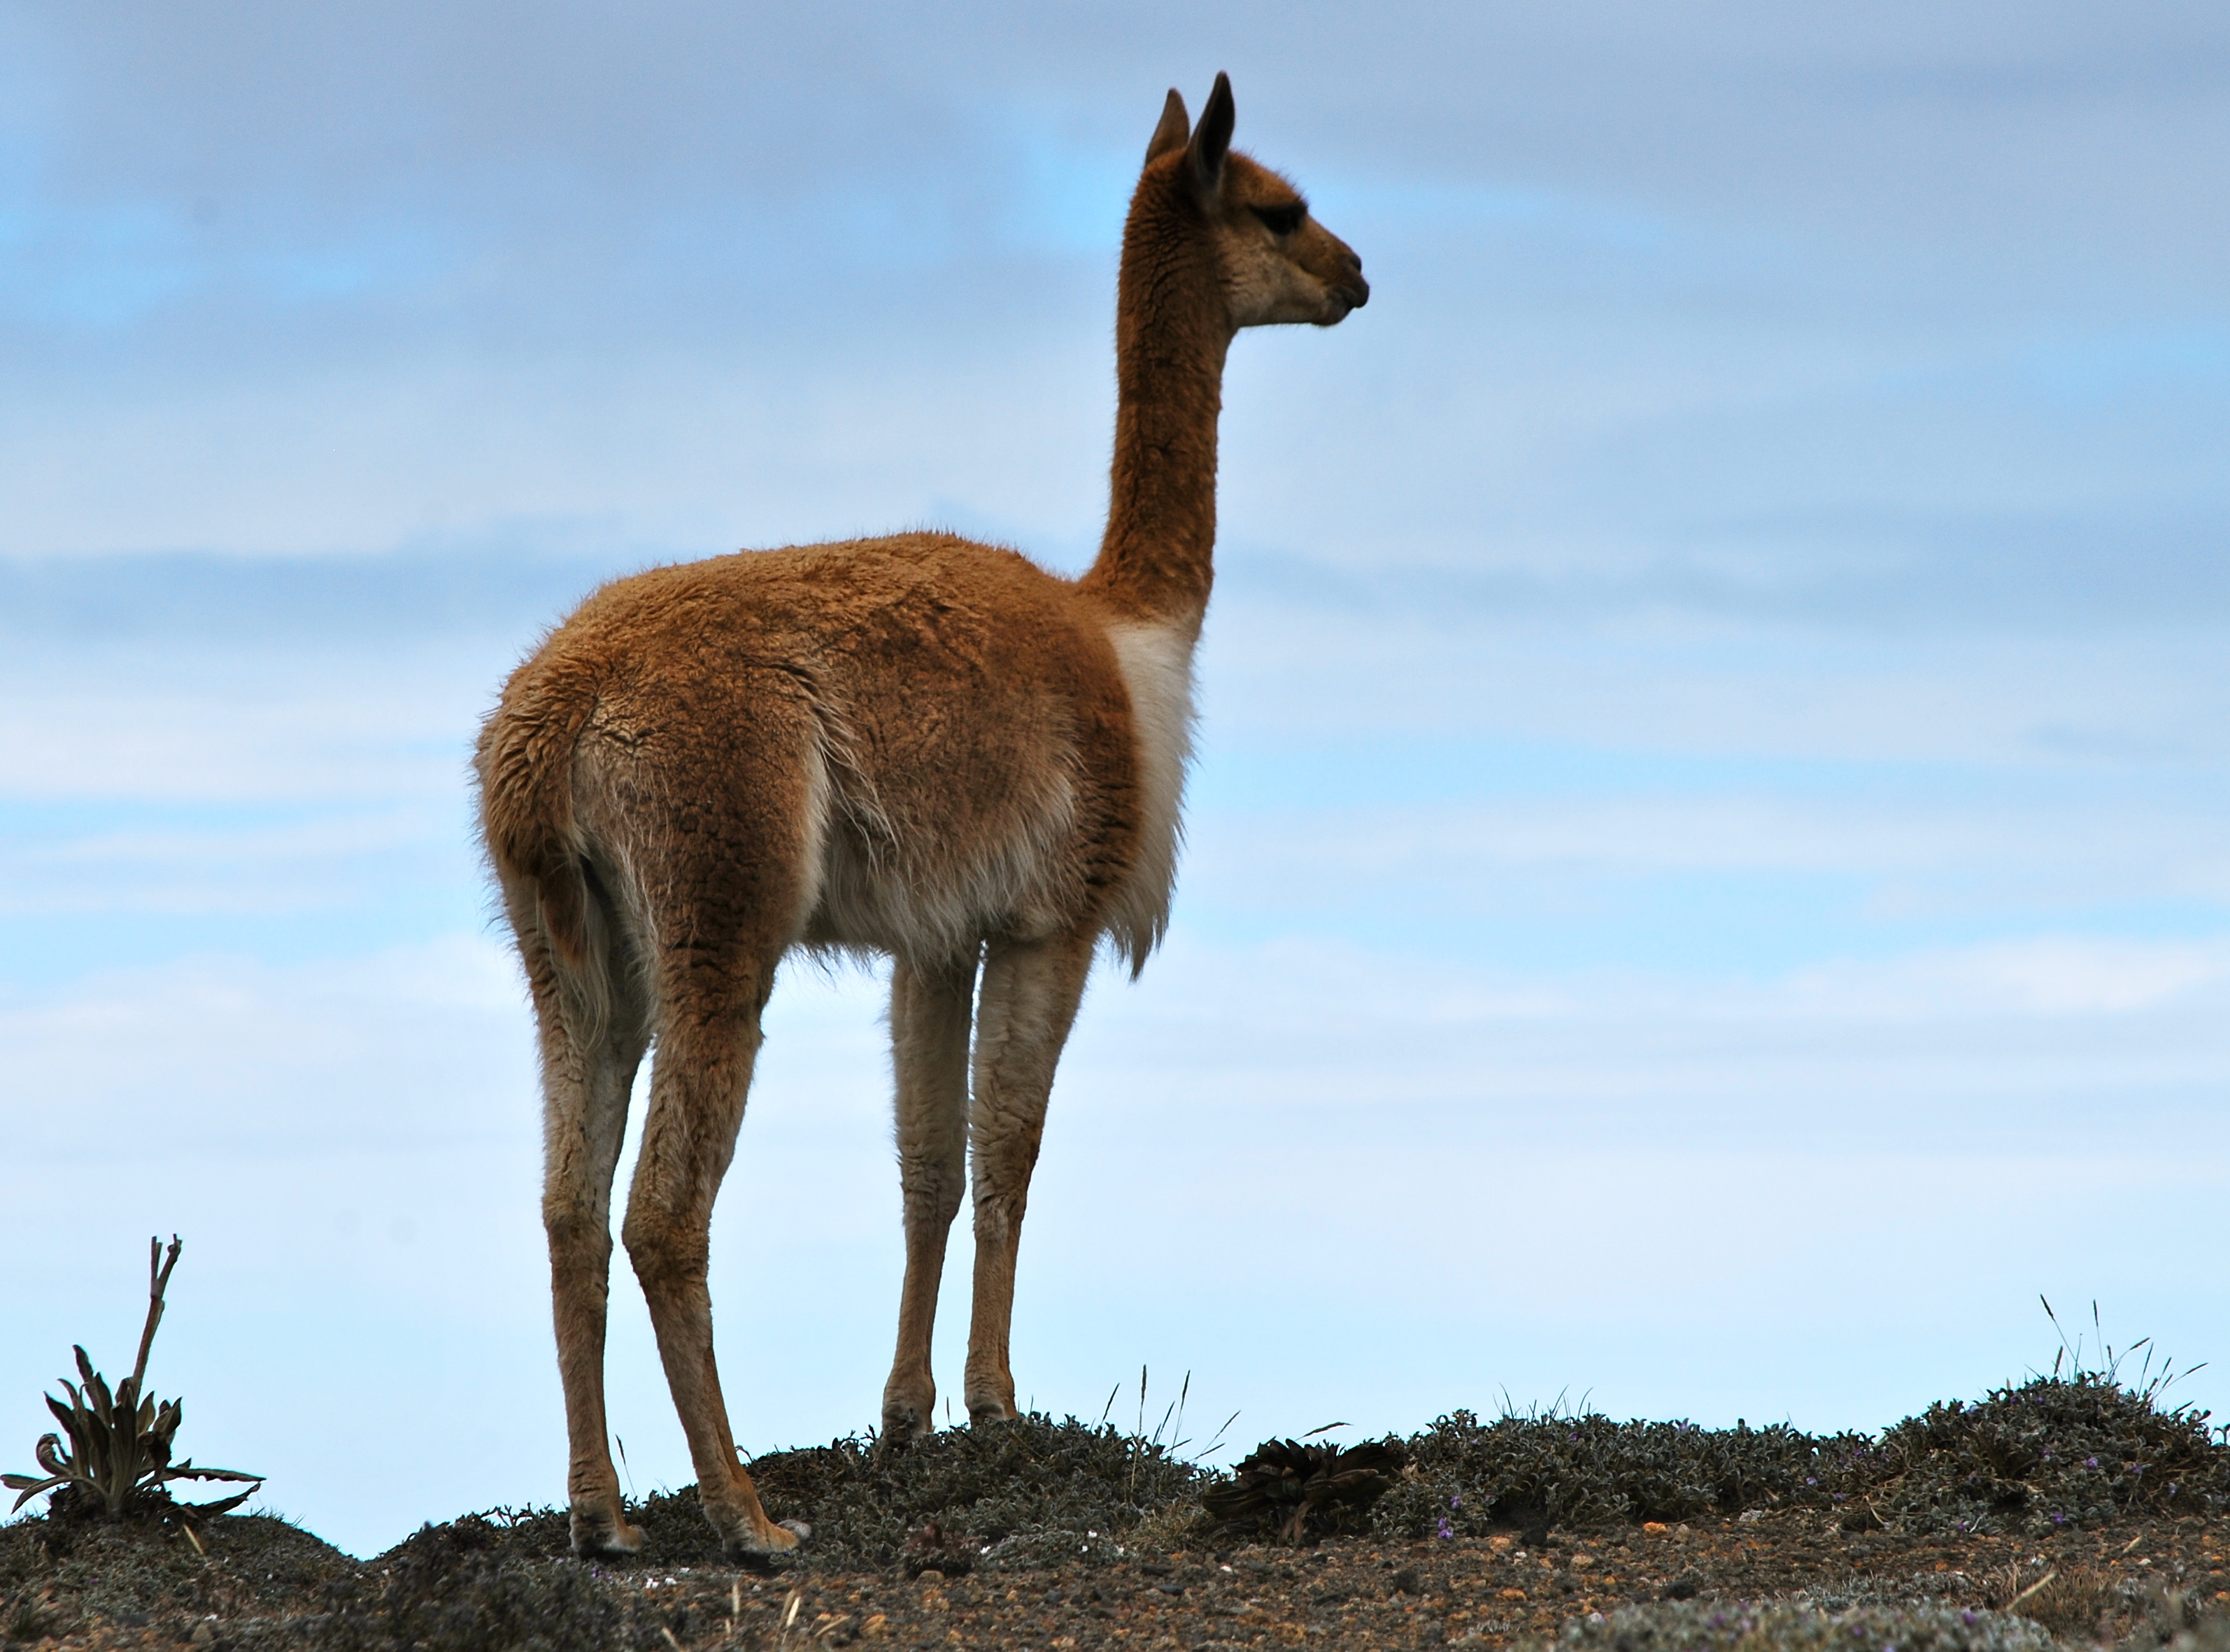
{"points": [[1980, 123], [1900, 318]]}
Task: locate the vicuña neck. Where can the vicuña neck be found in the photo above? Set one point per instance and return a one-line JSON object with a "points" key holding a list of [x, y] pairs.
{"points": [[1157, 558]]}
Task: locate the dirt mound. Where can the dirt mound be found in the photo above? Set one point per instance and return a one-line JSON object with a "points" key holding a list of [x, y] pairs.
{"points": [[2069, 1503], [1030, 1492], [56, 1573], [2048, 1454]]}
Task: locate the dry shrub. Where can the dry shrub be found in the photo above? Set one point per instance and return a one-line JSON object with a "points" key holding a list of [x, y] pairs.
{"points": [[2073, 1603]]}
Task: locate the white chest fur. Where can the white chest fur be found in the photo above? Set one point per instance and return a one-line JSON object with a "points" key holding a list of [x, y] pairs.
{"points": [[1157, 664]]}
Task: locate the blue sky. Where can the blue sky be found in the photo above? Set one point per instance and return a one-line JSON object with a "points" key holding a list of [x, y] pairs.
{"points": [[1706, 886]]}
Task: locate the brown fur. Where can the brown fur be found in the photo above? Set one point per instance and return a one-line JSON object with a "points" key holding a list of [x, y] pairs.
{"points": [[917, 746]]}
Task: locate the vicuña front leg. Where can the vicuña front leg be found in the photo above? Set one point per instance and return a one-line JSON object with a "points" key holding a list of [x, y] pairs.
{"points": [[699, 1079], [1030, 993], [929, 1051]]}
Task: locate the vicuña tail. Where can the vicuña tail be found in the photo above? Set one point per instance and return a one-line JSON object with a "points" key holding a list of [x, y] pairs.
{"points": [[525, 764]]}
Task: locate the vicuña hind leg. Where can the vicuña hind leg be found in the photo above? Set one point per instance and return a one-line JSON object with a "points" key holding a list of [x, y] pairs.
{"points": [[929, 1051], [698, 1080], [587, 1072], [1030, 993]]}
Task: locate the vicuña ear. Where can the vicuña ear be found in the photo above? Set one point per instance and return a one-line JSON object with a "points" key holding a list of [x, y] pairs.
{"points": [[1175, 127], [1211, 139]]}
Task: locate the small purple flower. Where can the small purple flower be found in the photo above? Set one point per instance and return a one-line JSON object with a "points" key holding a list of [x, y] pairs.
{"points": [[1456, 1501], [1841, 1495], [2090, 1462], [2059, 1519], [1968, 1618], [1446, 1530], [1811, 1480]]}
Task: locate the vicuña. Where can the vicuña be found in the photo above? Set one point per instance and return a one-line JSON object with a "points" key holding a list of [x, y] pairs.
{"points": [[917, 746]]}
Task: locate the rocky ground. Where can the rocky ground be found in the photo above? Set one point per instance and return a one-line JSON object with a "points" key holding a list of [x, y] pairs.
{"points": [[2144, 1581], [2052, 1512]]}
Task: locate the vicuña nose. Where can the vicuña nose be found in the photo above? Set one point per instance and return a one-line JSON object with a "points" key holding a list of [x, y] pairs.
{"points": [[1361, 288]]}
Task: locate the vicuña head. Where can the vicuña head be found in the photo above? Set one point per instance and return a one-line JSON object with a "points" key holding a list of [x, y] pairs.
{"points": [[917, 747], [1272, 262]]}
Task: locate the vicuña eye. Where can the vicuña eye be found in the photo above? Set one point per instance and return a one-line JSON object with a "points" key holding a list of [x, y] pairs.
{"points": [[1283, 220]]}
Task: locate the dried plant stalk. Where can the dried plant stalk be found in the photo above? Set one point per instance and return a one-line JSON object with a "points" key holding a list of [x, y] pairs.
{"points": [[118, 1449]]}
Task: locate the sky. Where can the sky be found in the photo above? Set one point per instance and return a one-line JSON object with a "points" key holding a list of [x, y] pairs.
{"points": [[1705, 894]]}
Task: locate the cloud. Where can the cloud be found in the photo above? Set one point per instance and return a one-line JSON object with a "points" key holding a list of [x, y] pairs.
{"points": [[134, 612], [2047, 978], [405, 1046], [1881, 118], [1309, 658], [338, 740], [294, 867], [1950, 854]]}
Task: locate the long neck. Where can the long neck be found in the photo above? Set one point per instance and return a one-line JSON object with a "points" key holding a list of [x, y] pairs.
{"points": [[1157, 558]]}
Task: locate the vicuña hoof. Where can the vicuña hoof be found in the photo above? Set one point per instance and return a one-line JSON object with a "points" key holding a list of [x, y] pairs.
{"points": [[909, 1407], [748, 1544], [990, 1396], [598, 1531], [903, 1424]]}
